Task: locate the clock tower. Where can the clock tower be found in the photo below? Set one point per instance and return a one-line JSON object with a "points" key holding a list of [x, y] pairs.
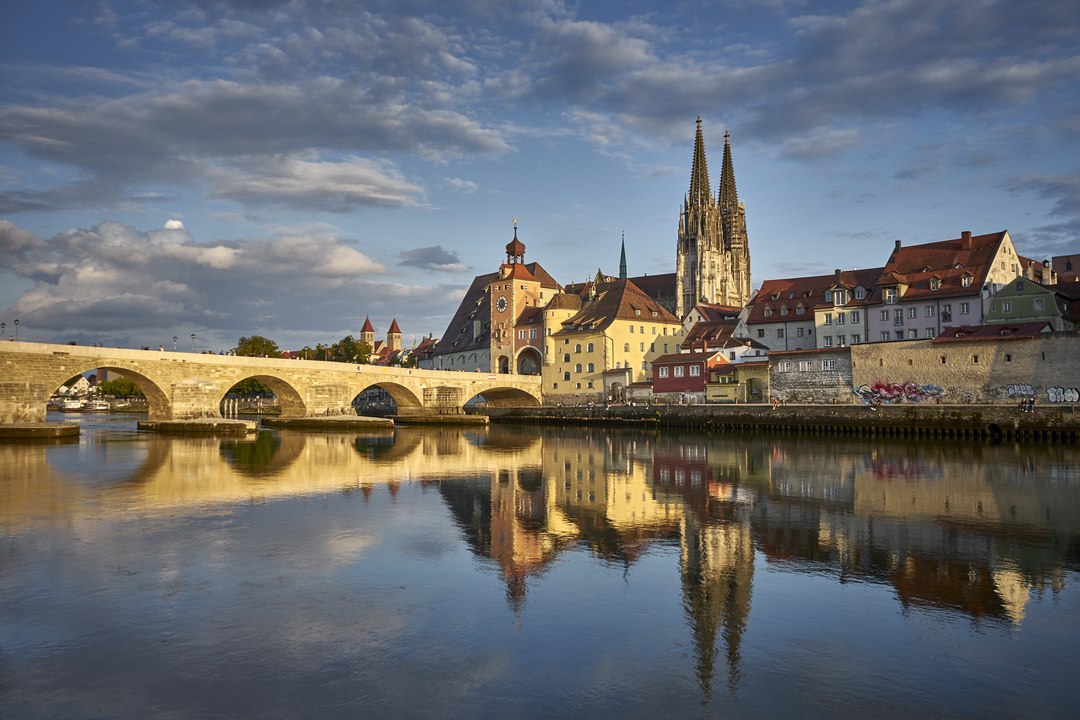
{"points": [[511, 292]]}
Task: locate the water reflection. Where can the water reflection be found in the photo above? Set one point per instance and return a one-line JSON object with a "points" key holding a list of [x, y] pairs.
{"points": [[972, 530]]}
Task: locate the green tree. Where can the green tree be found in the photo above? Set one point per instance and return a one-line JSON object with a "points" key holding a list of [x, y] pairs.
{"points": [[347, 349], [119, 387], [363, 354], [249, 387], [256, 346]]}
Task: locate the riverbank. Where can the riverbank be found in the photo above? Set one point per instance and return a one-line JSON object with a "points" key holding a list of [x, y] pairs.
{"points": [[966, 422], [39, 431]]}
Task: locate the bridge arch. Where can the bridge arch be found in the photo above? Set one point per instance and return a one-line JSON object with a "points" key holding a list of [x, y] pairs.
{"points": [[290, 401], [157, 402], [506, 397], [404, 398]]}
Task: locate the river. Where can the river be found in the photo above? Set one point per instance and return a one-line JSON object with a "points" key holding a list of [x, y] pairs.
{"points": [[523, 573]]}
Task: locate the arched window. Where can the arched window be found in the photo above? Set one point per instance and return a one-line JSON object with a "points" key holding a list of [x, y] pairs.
{"points": [[592, 367], [590, 347], [577, 348], [566, 357], [566, 376], [577, 368]]}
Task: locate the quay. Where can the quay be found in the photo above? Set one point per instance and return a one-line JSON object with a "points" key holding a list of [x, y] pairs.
{"points": [[975, 423]]}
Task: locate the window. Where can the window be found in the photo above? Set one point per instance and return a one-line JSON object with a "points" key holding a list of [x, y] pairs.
{"points": [[884, 336], [828, 341], [665, 347], [566, 376], [641, 329], [761, 332], [631, 328], [591, 367], [805, 366], [1038, 303], [854, 317], [899, 334], [783, 310], [885, 315], [779, 332], [641, 347], [930, 332], [695, 371], [799, 310], [1008, 358], [679, 371], [942, 359], [974, 359], [577, 368], [913, 334], [828, 364], [521, 334], [785, 366], [913, 312], [799, 332], [590, 346], [966, 281], [860, 293], [841, 340], [856, 339], [1019, 284], [566, 357], [653, 329], [662, 372], [626, 347], [898, 317], [1006, 307], [767, 312], [946, 313], [929, 311], [964, 308], [890, 296], [935, 284], [532, 333], [828, 318]]}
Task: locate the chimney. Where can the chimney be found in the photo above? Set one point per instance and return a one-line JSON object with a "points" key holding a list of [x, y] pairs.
{"points": [[897, 248], [965, 240], [837, 274]]}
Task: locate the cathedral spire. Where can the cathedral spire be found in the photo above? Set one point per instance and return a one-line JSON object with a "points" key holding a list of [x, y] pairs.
{"points": [[728, 196], [622, 259], [700, 191]]}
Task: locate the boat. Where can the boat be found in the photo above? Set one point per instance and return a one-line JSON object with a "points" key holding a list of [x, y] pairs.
{"points": [[99, 406], [73, 405]]}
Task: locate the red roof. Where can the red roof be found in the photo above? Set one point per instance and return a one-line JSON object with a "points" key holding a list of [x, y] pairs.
{"points": [[394, 327], [367, 326], [1013, 331]]}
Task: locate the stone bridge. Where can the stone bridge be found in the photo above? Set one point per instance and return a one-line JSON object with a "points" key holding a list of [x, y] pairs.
{"points": [[180, 385]]}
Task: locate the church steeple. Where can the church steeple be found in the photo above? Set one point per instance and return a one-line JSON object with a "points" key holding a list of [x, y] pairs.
{"points": [[700, 190], [728, 196], [622, 259]]}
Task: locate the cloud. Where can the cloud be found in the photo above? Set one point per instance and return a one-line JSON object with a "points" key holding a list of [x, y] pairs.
{"points": [[432, 258], [1057, 238], [114, 276]]}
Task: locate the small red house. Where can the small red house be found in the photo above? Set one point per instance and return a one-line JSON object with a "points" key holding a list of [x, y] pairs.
{"points": [[682, 376]]}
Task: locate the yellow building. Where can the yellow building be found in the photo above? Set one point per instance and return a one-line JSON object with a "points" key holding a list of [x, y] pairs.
{"points": [[617, 326]]}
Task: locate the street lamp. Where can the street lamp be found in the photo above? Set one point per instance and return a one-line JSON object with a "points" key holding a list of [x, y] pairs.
{"points": [[192, 342], [174, 343], [3, 329], [16, 329]]}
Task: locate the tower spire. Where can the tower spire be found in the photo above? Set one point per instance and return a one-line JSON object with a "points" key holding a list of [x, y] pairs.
{"points": [[622, 259], [728, 196], [700, 190]]}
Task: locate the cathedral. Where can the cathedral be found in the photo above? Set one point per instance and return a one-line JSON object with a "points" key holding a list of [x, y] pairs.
{"points": [[713, 258]]}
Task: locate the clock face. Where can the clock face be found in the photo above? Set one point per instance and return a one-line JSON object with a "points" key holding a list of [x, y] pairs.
{"points": [[500, 304]]}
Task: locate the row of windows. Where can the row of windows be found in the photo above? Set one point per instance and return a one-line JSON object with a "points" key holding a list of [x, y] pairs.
{"points": [[841, 340], [855, 318], [804, 365], [912, 334], [695, 371]]}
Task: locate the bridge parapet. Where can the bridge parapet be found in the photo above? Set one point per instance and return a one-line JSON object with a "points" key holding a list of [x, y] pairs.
{"points": [[181, 386]]}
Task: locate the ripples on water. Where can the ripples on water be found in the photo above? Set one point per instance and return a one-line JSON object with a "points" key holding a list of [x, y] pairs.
{"points": [[521, 573]]}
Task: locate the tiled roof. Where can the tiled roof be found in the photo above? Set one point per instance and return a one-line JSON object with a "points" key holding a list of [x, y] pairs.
{"points": [[789, 293], [673, 358], [658, 287], [565, 301], [618, 299], [474, 307], [947, 262]]}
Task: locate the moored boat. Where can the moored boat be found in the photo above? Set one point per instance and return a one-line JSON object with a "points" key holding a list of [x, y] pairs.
{"points": [[73, 405], [99, 406]]}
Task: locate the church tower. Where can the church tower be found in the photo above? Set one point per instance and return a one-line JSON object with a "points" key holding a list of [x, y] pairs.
{"points": [[367, 333], [393, 336], [713, 256]]}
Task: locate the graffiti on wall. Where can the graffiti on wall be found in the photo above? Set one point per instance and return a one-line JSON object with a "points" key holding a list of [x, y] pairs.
{"points": [[881, 392], [1060, 394], [1019, 390]]}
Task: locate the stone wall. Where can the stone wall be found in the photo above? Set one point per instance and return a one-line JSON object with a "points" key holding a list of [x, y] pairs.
{"points": [[812, 376]]}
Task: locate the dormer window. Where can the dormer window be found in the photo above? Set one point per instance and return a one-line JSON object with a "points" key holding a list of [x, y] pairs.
{"points": [[839, 297], [767, 312], [890, 295], [828, 296], [935, 284], [799, 309], [860, 293], [966, 280], [783, 310]]}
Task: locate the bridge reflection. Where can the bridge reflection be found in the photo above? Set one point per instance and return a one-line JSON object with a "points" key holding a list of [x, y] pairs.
{"points": [[965, 530]]}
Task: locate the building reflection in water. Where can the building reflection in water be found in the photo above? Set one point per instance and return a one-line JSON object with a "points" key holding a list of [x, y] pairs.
{"points": [[971, 530]]}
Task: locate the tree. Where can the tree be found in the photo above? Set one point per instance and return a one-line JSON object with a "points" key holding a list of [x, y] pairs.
{"points": [[256, 346], [250, 387], [120, 387]]}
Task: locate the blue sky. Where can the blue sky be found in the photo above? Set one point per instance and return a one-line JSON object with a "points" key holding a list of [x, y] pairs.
{"points": [[285, 168]]}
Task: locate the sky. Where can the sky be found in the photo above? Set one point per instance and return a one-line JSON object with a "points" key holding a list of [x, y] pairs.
{"points": [[287, 168]]}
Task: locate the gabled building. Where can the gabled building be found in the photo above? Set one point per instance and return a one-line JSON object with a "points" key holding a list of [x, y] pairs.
{"points": [[926, 288], [1023, 301], [616, 326], [483, 334], [1066, 267], [840, 319], [681, 377], [781, 313], [720, 336]]}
